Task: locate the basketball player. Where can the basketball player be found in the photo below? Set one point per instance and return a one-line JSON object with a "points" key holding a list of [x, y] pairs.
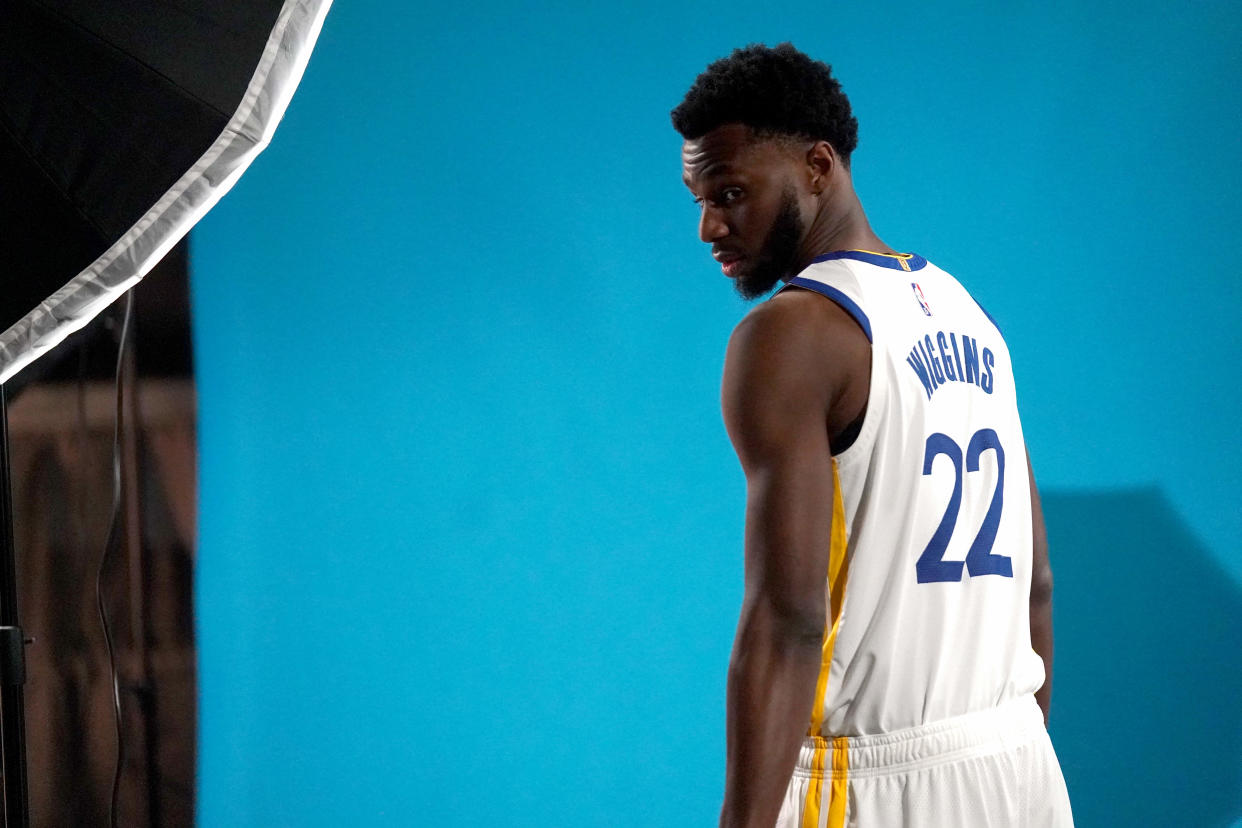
{"points": [[893, 658]]}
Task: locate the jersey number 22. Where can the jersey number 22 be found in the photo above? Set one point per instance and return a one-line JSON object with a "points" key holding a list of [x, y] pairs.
{"points": [[931, 566]]}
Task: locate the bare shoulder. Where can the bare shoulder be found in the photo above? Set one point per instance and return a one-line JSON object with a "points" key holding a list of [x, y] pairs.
{"points": [[798, 354], [800, 333], [800, 318]]}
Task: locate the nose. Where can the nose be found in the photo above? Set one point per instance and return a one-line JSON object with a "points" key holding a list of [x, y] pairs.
{"points": [[712, 225]]}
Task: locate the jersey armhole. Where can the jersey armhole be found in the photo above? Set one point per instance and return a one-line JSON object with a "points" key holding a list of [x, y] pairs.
{"points": [[990, 317], [842, 442], [847, 304], [849, 434]]}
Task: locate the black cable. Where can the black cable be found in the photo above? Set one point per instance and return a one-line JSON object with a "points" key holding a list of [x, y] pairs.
{"points": [[113, 524]]}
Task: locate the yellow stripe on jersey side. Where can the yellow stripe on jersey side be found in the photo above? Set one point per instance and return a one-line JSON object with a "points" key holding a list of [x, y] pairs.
{"points": [[837, 573]]}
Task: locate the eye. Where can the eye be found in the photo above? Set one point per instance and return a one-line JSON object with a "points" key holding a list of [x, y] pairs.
{"points": [[721, 198]]}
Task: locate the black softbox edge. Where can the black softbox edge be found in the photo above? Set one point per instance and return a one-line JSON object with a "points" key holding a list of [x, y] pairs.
{"points": [[126, 262]]}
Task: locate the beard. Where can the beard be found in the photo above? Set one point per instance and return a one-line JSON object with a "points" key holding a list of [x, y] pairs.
{"points": [[777, 256]]}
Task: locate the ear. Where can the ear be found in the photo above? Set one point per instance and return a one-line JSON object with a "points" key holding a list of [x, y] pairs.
{"points": [[821, 162]]}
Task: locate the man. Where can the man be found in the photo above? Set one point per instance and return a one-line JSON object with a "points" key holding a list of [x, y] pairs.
{"points": [[893, 658]]}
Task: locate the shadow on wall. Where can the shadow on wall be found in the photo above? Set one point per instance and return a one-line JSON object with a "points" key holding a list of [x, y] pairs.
{"points": [[1147, 693]]}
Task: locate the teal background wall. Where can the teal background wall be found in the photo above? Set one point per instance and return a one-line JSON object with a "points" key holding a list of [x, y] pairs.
{"points": [[470, 527]]}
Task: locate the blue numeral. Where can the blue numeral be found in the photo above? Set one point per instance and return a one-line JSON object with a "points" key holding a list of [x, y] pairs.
{"points": [[980, 560], [931, 566]]}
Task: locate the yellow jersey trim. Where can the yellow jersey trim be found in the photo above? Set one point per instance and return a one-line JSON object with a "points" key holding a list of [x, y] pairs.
{"points": [[837, 573], [890, 255]]}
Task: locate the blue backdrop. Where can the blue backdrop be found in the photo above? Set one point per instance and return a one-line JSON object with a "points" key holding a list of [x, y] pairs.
{"points": [[470, 527]]}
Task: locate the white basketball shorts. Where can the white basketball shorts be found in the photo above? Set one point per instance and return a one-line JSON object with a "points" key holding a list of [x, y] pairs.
{"points": [[991, 769]]}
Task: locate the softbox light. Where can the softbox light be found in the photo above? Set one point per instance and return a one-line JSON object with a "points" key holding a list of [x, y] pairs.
{"points": [[122, 122]]}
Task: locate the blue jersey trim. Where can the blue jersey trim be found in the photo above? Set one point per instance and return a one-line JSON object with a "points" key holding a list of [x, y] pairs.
{"points": [[850, 306], [908, 262], [991, 318]]}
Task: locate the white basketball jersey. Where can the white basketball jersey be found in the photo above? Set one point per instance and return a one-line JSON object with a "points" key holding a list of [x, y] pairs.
{"points": [[930, 571]]}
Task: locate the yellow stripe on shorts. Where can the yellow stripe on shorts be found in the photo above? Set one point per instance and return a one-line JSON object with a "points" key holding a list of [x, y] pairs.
{"points": [[840, 768], [815, 790], [838, 775]]}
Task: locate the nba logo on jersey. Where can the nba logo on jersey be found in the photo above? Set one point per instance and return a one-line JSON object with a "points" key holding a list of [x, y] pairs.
{"points": [[918, 294]]}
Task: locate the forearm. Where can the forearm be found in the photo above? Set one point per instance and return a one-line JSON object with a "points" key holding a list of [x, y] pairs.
{"points": [[771, 690], [1041, 593], [1041, 642]]}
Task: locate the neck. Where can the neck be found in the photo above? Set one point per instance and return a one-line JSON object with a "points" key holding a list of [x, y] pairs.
{"points": [[839, 224]]}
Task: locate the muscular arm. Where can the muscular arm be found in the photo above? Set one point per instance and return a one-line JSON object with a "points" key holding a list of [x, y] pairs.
{"points": [[1041, 595], [776, 395]]}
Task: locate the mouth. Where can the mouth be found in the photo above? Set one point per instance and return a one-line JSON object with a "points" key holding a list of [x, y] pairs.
{"points": [[730, 263]]}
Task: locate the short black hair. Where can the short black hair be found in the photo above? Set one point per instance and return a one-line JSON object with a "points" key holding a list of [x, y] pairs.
{"points": [[774, 91]]}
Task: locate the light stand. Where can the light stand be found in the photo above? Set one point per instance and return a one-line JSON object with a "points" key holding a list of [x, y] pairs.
{"points": [[12, 652]]}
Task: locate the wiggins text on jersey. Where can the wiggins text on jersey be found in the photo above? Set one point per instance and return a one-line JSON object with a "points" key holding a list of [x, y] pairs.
{"points": [[938, 359]]}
